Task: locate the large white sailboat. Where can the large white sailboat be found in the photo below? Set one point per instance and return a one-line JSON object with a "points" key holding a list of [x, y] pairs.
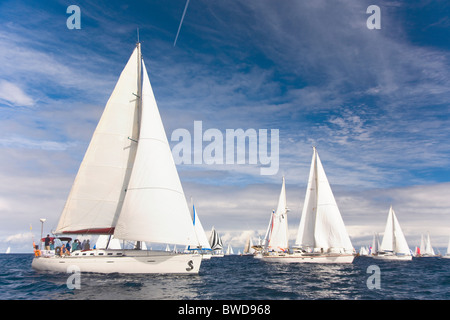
{"points": [[128, 186], [394, 245], [321, 237]]}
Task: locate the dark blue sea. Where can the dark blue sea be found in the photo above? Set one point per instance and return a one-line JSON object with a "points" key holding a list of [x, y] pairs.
{"points": [[238, 278]]}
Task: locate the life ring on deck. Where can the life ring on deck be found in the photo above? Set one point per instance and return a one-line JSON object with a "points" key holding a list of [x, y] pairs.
{"points": [[58, 251]]}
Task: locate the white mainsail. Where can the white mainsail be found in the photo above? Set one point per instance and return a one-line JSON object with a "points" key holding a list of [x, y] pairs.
{"points": [[97, 193], [428, 248], [321, 225], [393, 238], [278, 240]]}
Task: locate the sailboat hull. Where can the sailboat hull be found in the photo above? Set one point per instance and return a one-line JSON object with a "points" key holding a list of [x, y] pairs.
{"points": [[299, 258], [393, 257], [122, 261]]}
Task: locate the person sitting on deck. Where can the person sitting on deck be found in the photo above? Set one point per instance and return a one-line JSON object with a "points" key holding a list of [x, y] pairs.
{"points": [[37, 252]]}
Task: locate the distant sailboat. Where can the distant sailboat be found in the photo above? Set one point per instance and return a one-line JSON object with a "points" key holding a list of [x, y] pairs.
{"points": [[447, 254], [216, 243], [204, 249], [426, 250], [249, 249], [375, 245], [229, 250], [276, 238], [322, 237], [363, 251], [8, 250], [128, 186], [393, 245]]}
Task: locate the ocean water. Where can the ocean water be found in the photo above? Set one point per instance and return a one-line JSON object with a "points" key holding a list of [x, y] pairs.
{"points": [[238, 278]]}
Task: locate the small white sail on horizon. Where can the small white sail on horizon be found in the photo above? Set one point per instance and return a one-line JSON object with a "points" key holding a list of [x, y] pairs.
{"points": [[375, 245], [447, 254], [230, 250], [363, 251], [248, 248]]}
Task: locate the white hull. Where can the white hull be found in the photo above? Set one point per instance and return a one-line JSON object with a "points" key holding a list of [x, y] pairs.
{"points": [[206, 256], [428, 256], [122, 261], [304, 258], [393, 257], [446, 256]]}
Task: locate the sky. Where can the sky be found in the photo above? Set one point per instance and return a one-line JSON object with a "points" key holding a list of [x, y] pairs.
{"points": [[374, 102]]}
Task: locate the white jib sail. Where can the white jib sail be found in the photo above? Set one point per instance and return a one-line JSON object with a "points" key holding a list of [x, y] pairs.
{"points": [[155, 207], [97, 193], [279, 235], [305, 235]]}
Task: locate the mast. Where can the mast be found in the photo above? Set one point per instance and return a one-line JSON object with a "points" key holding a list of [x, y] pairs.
{"points": [[139, 85]]}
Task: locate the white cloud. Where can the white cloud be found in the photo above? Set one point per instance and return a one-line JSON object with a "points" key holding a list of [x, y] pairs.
{"points": [[25, 143], [13, 95]]}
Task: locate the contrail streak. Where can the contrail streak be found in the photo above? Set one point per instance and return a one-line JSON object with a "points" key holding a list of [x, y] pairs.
{"points": [[181, 22]]}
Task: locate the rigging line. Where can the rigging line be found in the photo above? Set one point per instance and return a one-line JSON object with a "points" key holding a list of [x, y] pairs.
{"points": [[181, 22]]}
